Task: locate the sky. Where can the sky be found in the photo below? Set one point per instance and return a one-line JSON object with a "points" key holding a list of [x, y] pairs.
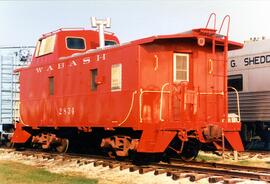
{"points": [[23, 22]]}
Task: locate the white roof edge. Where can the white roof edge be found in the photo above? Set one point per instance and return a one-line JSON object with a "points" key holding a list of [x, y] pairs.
{"points": [[251, 48]]}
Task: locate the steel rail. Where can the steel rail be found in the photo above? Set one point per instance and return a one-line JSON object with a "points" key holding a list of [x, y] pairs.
{"points": [[217, 171], [222, 166]]}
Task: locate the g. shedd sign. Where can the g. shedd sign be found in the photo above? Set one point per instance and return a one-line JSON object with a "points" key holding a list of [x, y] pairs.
{"points": [[249, 61]]}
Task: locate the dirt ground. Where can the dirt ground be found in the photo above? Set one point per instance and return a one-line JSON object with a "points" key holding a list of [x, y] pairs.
{"points": [[103, 174]]}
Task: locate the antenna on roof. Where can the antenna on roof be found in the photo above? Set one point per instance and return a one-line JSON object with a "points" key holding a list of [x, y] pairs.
{"points": [[100, 24]]}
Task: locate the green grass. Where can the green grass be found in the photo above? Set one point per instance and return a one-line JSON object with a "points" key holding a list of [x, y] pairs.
{"points": [[205, 158], [218, 159], [16, 173], [254, 163]]}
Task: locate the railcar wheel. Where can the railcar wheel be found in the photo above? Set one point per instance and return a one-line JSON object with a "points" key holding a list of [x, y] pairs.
{"points": [[9, 145], [109, 151], [63, 146], [111, 154], [190, 150], [18, 146]]}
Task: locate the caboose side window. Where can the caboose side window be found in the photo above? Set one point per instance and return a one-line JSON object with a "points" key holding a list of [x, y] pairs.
{"points": [[236, 81], [45, 46], [94, 73], [51, 85], [180, 67], [116, 77], [75, 43], [37, 49], [109, 42]]}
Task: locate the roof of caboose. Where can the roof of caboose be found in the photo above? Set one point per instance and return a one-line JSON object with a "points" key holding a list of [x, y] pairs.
{"points": [[208, 34], [74, 30], [193, 34]]}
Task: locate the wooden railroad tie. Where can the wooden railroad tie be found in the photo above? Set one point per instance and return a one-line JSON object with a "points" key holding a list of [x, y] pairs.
{"points": [[144, 170], [134, 168], [180, 175], [196, 177], [98, 163], [215, 179], [113, 165], [125, 166], [160, 171]]}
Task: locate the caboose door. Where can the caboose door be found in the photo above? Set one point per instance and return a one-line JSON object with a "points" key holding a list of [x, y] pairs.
{"points": [[155, 77], [182, 77], [215, 91]]}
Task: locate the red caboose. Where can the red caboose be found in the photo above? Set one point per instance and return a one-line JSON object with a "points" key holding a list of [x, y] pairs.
{"points": [[149, 95]]}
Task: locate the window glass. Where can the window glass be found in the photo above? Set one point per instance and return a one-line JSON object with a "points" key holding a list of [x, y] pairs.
{"points": [[236, 81], [51, 85], [94, 85], [116, 77], [108, 43], [180, 67], [75, 43], [46, 45], [37, 49]]}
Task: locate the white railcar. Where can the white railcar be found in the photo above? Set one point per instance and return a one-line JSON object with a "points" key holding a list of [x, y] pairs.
{"points": [[249, 73], [10, 59]]}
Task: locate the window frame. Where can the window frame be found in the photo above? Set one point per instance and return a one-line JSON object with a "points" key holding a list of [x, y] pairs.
{"points": [[51, 85], [84, 40], [234, 77], [120, 77], [93, 75], [48, 51], [37, 48], [175, 80], [110, 41]]}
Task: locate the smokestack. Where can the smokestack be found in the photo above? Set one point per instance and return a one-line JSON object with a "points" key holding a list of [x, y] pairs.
{"points": [[100, 24]]}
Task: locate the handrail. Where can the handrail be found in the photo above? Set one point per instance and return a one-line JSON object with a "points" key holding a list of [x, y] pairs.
{"points": [[161, 101], [152, 91], [20, 117], [229, 20], [215, 18], [237, 99], [130, 108]]}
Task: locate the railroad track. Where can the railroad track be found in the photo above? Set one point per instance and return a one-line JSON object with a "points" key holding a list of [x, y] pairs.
{"points": [[223, 166], [220, 171], [214, 172]]}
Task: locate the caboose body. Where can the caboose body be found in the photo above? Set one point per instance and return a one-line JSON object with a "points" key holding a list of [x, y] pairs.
{"points": [[149, 95]]}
